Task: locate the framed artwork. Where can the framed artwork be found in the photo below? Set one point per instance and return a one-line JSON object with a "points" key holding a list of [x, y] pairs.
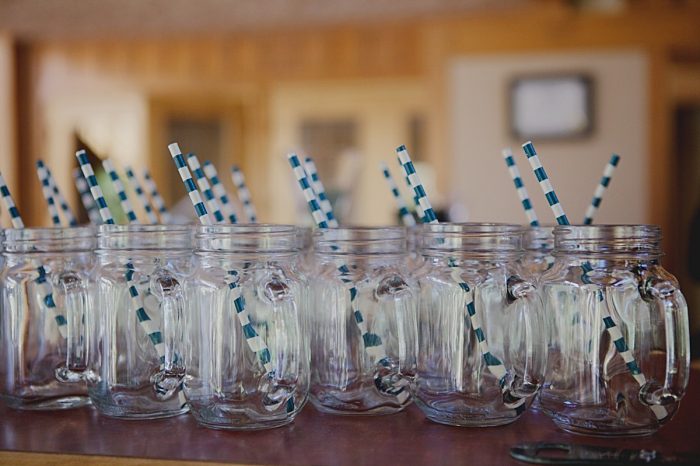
{"points": [[556, 106]]}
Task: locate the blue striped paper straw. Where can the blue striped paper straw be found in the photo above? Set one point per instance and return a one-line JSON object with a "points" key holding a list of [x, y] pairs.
{"points": [[320, 191], [243, 193], [520, 188], [61, 201], [95, 189], [85, 196], [610, 325], [48, 193], [372, 343], [406, 216], [219, 191], [121, 191], [44, 285], [319, 217], [494, 364], [140, 195], [156, 198], [186, 177], [205, 188], [10, 205], [415, 183], [600, 189], [545, 184]]}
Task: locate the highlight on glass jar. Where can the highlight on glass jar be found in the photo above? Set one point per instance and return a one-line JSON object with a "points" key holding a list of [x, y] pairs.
{"points": [[363, 321], [248, 357], [44, 341], [619, 349], [481, 336], [538, 244], [139, 308]]}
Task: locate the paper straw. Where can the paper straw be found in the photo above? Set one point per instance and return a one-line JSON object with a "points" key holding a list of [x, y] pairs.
{"points": [[320, 191], [600, 189], [85, 196], [61, 201], [372, 343], [44, 285], [205, 188], [494, 365], [419, 211], [186, 177], [140, 195], [153, 333], [156, 197], [243, 193], [612, 328], [121, 192], [48, 193], [94, 187], [219, 191], [10, 205], [406, 216], [254, 341], [520, 188], [319, 217]]}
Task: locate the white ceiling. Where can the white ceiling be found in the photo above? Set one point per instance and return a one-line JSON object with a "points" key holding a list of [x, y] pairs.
{"points": [[45, 19]]}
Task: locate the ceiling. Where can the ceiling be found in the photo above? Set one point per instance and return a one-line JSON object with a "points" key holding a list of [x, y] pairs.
{"points": [[46, 19]]}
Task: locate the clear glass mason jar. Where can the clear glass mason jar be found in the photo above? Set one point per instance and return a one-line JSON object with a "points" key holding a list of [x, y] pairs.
{"points": [[248, 356], [481, 346], [139, 307], [363, 321], [619, 347], [538, 244], [44, 343]]}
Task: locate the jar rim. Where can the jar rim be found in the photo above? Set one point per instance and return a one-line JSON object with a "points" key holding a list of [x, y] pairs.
{"points": [[49, 239], [634, 239], [360, 240]]}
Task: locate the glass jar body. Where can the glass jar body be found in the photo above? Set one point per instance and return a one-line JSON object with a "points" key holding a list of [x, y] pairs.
{"points": [[44, 341]]}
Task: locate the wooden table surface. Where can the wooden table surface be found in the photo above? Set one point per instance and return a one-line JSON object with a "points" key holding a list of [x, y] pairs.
{"points": [[314, 438]]}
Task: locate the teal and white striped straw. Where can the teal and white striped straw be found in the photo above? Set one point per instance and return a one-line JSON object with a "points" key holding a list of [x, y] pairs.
{"points": [[520, 188], [186, 177], [320, 191], [121, 192], [95, 189], [85, 196], [406, 216], [372, 343], [254, 341], [319, 217], [220, 191], [243, 194], [140, 195], [48, 193], [600, 189], [156, 198], [610, 325], [41, 280], [205, 188], [494, 365], [61, 201], [419, 210]]}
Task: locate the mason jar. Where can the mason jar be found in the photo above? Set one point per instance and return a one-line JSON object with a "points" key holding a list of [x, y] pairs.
{"points": [[538, 243], [44, 342], [140, 302], [247, 362], [619, 348], [481, 345], [363, 321]]}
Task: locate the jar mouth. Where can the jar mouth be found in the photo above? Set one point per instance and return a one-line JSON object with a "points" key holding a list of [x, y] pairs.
{"points": [[477, 239], [539, 238], [145, 237], [360, 240], [52, 239], [249, 238], [635, 240]]}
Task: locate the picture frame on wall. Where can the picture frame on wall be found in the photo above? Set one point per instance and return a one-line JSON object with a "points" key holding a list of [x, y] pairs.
{"points": [[551, 106]]}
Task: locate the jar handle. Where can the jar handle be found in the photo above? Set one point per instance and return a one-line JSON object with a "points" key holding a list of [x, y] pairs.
{"points": [[671, 303], [72, 290], [527, 383]]}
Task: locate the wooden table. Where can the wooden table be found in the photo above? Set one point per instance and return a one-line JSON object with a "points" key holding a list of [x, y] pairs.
{"points": [[314, 438]]}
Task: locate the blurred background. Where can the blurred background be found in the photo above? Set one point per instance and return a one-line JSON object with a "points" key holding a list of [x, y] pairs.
{"points": [[456, 81]]}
